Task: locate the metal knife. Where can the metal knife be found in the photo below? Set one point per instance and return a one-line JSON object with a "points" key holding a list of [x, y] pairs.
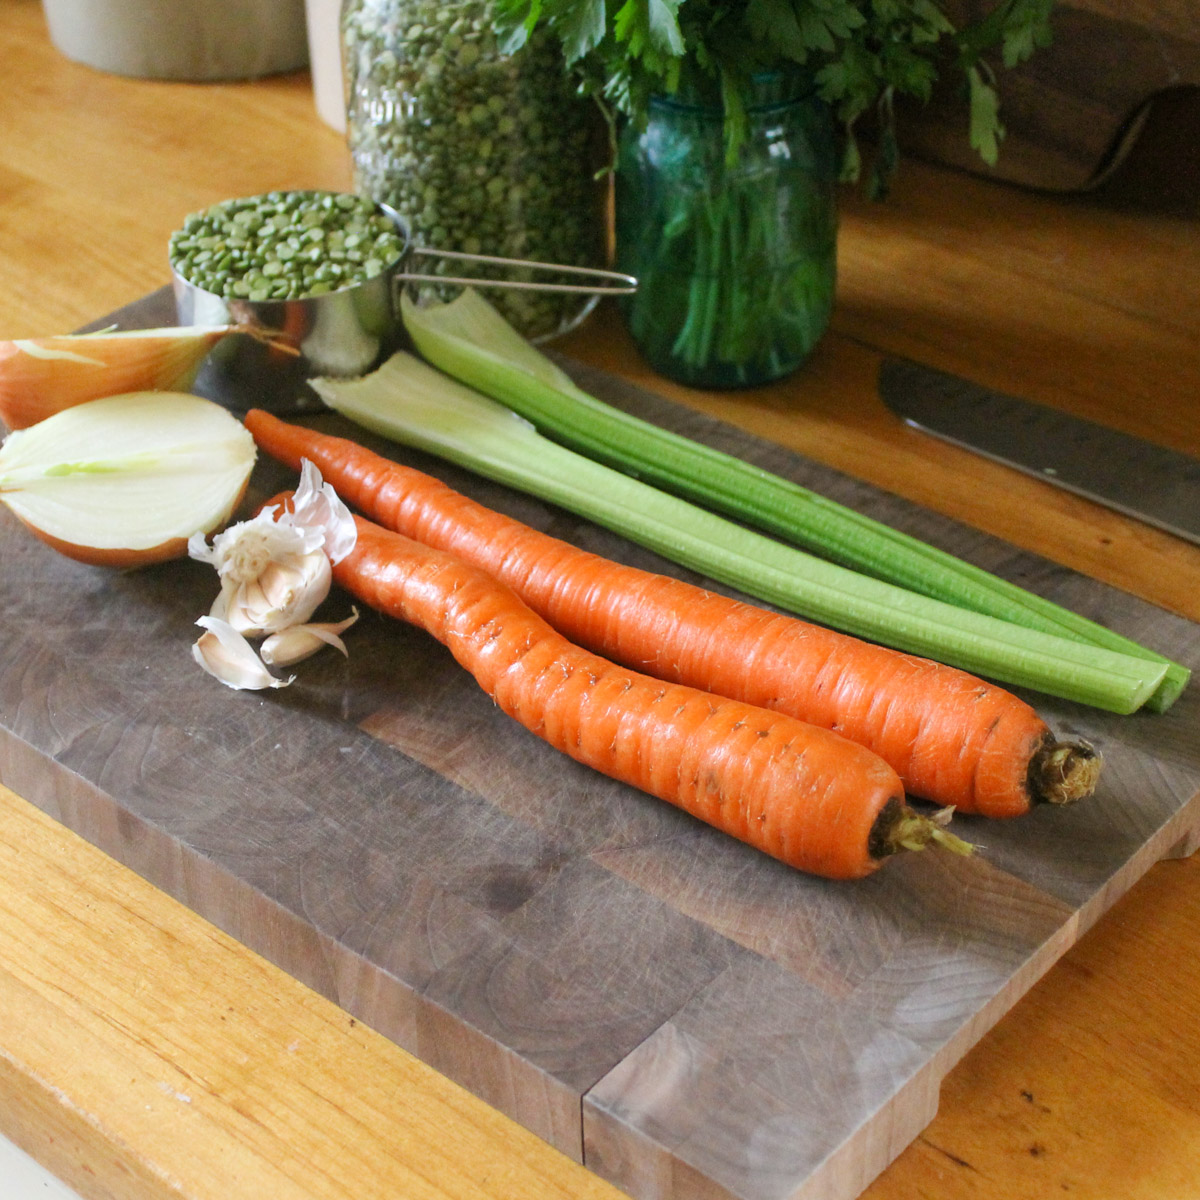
{"points": [[1138, 478]]}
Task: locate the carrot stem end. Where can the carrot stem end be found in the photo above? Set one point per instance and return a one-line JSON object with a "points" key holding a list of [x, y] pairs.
{"points": [[1064, 772], [904, 829]]}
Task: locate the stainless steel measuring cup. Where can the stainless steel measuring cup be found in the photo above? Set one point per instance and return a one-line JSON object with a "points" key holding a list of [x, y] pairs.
{"points": [[340, 333]]}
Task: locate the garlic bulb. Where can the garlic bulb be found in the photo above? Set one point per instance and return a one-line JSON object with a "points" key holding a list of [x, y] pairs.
{"points": [[275, 568], [271, 577], [275, 571]]}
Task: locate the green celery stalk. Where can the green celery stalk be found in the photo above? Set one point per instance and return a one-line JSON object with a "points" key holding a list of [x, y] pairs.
{"points": [[408, 401], [468, 339]]}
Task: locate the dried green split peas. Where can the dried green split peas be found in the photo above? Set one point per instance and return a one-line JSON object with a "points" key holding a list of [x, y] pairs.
{"points": [[285, 245]]}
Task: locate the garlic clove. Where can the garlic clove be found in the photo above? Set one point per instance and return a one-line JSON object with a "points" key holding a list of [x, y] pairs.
{"points": [[294, 588], [302, 641], [227, 656]]}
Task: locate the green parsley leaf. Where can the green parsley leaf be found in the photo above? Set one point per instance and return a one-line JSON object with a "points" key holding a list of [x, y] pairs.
{"points": [[859, 53], [986, 130]]}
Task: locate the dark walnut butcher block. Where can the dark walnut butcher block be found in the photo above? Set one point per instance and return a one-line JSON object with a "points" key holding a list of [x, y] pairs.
{"points": [[1118, 86], [687, 1017]]}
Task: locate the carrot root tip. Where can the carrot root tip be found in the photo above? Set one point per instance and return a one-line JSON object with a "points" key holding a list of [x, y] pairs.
{"points": [[1064, 772], [900, 828]]}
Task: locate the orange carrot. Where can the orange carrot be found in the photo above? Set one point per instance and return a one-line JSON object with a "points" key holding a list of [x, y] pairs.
{"points": [[952, 738], [804, 795]]}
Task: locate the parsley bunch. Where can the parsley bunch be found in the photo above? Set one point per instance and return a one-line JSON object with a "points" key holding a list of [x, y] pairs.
{"points": [[860, 54]]}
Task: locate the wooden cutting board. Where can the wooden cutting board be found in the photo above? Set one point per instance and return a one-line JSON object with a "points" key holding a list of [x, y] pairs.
{"points": [[687, 1017], [1118, 86]]}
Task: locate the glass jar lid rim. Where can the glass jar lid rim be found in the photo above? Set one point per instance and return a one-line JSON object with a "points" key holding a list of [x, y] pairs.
{"points": [[769, 89]]}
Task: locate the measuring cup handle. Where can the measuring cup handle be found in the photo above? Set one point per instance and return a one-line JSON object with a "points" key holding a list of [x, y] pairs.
{"points": [[615, 283]]}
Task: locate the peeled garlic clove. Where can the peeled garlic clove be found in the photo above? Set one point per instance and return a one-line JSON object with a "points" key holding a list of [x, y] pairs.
{"points": [[126, 480], [226, 655], [302, 641], [42, 376]]}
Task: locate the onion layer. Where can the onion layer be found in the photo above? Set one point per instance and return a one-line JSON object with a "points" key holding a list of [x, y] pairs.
{"points": [[126, 480]]}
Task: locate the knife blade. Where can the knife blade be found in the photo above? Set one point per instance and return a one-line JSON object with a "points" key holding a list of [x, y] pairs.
{"points": [[1135, 477]]}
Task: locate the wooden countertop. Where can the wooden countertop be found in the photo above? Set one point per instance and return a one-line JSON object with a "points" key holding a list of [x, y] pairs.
{"points": [[143, 1053]]}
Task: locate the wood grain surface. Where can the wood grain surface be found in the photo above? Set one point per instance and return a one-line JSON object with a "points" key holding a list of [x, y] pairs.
{"points": [[679, 1013], [1075, 112], [1088, 1085]]}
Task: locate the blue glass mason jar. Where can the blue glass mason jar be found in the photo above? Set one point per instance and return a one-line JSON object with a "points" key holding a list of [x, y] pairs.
{"points": [[736, 258]]}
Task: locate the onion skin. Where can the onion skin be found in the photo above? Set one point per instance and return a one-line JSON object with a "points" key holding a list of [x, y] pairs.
{"points": [[95, 556], [42, 376]]}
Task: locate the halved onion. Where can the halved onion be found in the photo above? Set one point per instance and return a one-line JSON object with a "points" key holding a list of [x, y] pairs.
{"points": [[126, 480], [42, 376]]}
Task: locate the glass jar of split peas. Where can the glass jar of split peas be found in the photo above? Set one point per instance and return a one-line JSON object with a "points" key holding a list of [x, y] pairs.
{"points": [[478, 150]]}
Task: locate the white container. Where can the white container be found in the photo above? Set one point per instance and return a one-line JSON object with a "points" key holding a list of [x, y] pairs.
{"points": [[198, 40], [325, 58]]}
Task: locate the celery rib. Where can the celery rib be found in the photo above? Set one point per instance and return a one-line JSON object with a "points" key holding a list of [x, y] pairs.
{"points": [[469, 340], [412, 403]]}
